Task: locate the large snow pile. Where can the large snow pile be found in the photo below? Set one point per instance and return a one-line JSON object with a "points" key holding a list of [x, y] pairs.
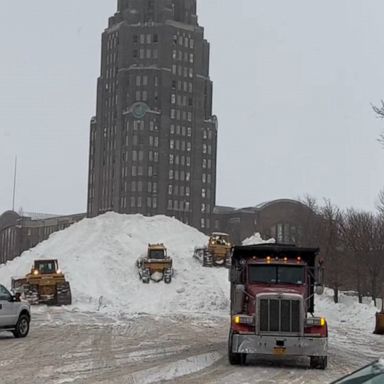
{"points": [[256, 239], [347, 312], [98, 257]]}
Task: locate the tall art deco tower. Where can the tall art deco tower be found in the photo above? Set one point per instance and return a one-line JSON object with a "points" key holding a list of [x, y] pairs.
{"points": [[153, 140]]}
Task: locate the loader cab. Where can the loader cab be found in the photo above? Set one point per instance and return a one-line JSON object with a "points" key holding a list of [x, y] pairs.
{"points": [[45, 267], [157, 252], [217, 238]]}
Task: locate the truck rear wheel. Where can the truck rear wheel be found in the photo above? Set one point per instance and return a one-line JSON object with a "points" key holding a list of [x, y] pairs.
{"points": [[318, 362], [233, 357]]}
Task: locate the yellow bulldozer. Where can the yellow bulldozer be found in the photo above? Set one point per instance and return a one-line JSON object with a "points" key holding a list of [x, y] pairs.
{"points": [[45, 284], [217, 252], [156, 265]]}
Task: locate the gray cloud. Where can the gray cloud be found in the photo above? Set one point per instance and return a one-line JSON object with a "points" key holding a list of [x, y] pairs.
{"points": [[293, 83]]}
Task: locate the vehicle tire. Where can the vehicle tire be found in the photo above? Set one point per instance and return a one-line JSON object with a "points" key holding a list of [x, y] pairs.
{"points": [[22, 327], [207, 259], [228, 260], [318, 362], [235, 358], [31, 294], [63, 294]]}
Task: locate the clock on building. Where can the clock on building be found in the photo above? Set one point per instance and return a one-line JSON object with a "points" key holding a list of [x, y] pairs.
{"points": [[139, 110]]}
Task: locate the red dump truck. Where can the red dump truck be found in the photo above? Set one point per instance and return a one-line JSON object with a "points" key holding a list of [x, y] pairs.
{"points": [[272, 304]]}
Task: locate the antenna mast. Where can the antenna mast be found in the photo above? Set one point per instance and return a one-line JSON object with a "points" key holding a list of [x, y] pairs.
{"points": [[14, 185]]}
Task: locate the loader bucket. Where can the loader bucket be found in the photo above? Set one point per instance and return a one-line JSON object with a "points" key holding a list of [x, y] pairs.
{"points": [[379, 329]]}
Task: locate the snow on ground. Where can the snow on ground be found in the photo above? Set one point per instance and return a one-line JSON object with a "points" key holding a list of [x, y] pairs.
{"points": [[256, 239], [348, 312], [98, 257]]}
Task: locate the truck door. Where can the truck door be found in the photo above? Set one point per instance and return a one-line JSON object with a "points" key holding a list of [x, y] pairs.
{"points": [[8, 309]]}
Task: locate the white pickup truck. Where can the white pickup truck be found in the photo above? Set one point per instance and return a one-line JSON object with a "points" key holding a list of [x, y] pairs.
{"points": [[15, 315]]}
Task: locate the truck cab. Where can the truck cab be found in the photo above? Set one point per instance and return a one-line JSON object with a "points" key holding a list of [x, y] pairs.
{"points": [[272, 303], [15, 315]]}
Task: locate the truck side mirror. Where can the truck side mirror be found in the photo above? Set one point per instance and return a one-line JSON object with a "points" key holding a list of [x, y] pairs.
{"points": [[234, 275], [319, 289], [238, 299], [319, 285]]}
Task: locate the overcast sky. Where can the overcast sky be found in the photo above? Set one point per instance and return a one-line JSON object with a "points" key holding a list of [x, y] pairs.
{"points": [[293, 86]]}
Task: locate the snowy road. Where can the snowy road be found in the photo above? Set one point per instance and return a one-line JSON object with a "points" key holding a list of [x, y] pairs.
{"points": [[69, 347]]}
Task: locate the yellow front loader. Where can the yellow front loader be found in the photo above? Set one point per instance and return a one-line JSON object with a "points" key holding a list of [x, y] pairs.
{"points": [[45, 284]]}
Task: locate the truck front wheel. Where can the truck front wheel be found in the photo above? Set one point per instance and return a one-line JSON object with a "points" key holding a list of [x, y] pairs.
{"points": [[235, 358], [318, 362], [22, 326]]}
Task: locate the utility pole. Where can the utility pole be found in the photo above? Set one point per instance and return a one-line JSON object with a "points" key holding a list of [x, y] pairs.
{"points": [[14, 185]]}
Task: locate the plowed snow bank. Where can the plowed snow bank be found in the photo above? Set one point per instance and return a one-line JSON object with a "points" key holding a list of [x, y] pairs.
{"points": [[98, 257]]}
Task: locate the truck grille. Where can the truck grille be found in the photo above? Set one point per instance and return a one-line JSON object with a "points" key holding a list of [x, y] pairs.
{"points": [[279, 315]]}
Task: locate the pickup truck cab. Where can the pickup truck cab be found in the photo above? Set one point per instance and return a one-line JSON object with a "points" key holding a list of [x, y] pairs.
{"points": [[15, 315]]}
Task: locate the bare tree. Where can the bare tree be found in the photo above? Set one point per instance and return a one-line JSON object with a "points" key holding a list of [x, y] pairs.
{"points": [[331, 247], [375, 258], [380, 202], [311, 222], [380, 113], [356, 229]]}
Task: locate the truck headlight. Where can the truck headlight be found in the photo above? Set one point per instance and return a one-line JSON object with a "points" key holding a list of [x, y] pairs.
{"points": [[315, 322], [35, 272], [243, 319]]}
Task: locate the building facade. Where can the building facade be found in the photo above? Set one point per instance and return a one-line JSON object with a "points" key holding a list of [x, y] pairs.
{"points": [[153, 141], [287, 221], [19, 233]]}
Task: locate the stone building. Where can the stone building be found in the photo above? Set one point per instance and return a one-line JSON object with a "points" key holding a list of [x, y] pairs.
{"points": [[19, 233], [153, 139], [287, 221]]}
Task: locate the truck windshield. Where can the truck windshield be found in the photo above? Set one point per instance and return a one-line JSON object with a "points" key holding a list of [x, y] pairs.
{"points": [[276, 274]]}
